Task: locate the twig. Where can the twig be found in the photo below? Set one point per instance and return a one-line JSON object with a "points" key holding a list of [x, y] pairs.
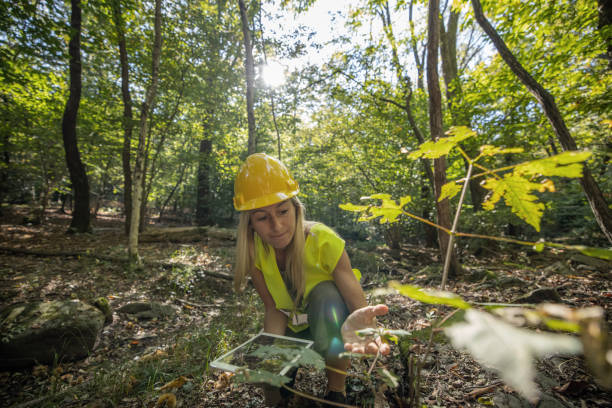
{"points": [[480, 391], [374, 362], [185, 302]]}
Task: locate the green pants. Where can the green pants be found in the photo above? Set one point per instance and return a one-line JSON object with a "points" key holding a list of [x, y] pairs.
{"points": [[326, 311]]}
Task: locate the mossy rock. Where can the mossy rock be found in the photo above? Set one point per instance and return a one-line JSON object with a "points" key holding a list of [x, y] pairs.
{"points": [[103, 305], [47, 332]]}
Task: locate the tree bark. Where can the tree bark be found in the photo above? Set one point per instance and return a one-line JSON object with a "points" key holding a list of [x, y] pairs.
{"points": [[203, 208], [591, 189], [436, 130], [6, 161], [78, 176], [127, 120], [249, 65], [452, 82], [176, 186], [139, 168], [418, 60]]}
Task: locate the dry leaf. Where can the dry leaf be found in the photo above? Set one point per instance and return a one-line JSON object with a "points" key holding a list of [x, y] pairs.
{"points": [[154, 355], [67, 377], [223, 381], [131, 383], [40, 371], [176, 383], [166, 400]]}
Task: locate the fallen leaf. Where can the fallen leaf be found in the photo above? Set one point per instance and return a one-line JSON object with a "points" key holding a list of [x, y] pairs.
{"points": [[166, 400], [223, 381], [509, 350], [40, 371], [67, 377], [176, 383]]}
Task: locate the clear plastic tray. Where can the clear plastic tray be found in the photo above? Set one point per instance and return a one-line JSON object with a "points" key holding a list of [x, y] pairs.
{"points": [[240, 358]]}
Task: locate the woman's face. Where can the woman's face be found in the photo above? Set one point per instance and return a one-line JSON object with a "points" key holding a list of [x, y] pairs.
{"points": [[275, 223]]}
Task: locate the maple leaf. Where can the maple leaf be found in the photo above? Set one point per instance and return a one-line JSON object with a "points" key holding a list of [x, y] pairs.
{"points": [[507, 349], [516, 191]]}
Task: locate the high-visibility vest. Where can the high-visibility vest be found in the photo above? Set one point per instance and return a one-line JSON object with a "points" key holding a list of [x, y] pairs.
{"points": [[322, 251]]}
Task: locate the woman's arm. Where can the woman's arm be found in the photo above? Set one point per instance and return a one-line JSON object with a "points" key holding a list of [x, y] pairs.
{"points": [[362, 316], [275, 322], [348, 285]]}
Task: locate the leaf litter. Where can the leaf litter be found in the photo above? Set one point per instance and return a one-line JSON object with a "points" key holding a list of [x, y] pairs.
{"points": [[449, 377]]}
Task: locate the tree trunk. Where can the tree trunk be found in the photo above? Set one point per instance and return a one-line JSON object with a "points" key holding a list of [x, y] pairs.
{"points": [[250, 77], [176, 186], [6, 161], [127, 120], [140, 159], [448, 51], [418, 60], [591, 189], [203, 207], [78, 176], [435, 126], [153, 172]]}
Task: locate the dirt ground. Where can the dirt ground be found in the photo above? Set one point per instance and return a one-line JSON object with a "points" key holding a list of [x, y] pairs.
{"points": [[42, 262]]}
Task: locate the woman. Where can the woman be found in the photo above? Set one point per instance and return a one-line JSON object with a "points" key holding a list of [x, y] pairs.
{"points": [[299, 269]]}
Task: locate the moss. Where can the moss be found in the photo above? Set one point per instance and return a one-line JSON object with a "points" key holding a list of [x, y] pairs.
{"points": [[103, 305]]}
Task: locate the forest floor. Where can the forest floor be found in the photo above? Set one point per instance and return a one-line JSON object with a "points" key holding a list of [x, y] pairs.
{"points": [[133, 360]]}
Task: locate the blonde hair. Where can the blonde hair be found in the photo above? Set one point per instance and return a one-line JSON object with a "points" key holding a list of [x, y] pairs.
{"points": [[245, 253]]}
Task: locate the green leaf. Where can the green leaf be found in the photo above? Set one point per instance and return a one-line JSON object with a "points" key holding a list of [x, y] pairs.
{"points": [[254, 376], [441, 147], [299, 356], [516, 191], [449, 190], [488, 150], [434, 297], [563, 325], [539, 247], [509, 350], [353, 207], [390, 379], [566, 164], [367, 332], [394, 335], [601, 253]]}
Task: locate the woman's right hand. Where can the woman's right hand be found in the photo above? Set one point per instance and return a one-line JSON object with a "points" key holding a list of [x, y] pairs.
{"points": [[362, 319]]}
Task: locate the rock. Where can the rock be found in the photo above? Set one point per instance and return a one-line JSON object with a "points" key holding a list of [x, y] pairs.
{"points": [[540, 296], [102, 304], [149, 310], [47, 332]]}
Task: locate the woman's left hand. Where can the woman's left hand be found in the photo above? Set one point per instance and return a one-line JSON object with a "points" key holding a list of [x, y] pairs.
{"points": [[362, 319]]}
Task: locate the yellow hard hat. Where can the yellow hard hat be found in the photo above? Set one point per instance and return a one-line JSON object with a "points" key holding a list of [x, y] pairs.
{"points": [[262, 181]]}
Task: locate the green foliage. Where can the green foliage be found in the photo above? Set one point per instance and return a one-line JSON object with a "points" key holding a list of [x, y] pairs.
{"points": [[274, 357], [431, 296], [299, 357], [517, 193], [388, 211], [443, 146], [509, 350]]}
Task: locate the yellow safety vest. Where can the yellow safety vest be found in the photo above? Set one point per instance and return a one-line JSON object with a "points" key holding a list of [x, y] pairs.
{"points": [[322, 251]]}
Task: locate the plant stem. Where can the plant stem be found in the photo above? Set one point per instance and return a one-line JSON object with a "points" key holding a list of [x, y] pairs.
{"points": [[451, 239]]}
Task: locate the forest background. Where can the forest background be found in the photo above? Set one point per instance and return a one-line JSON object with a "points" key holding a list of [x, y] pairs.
{"points": [[146, 109], [343, 127]]}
